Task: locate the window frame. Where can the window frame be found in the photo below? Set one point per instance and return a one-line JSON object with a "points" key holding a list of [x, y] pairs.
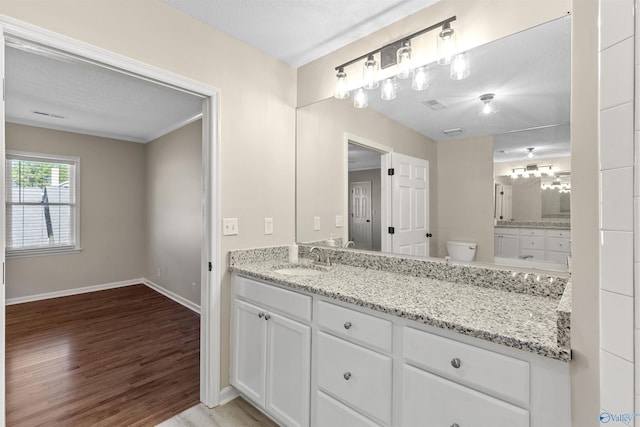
{"points": [[45, 251]]}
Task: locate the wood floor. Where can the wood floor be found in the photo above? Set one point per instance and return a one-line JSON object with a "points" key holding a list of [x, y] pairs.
{"points": [[120, 357]]}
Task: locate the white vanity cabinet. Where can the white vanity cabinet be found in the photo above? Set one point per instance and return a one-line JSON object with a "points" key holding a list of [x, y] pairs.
{"points": [[505, 242], [271, 349], [533, 244]]}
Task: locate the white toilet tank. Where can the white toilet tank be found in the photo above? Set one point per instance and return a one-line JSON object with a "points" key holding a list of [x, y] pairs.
{"points": [[461, 251]]}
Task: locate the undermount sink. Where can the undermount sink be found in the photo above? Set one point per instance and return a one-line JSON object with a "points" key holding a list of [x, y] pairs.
{"points": [[299, 271]]}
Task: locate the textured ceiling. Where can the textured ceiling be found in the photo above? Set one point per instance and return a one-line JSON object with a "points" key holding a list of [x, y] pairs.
{"points": [[529, 73], [92, 100], [299, 31]]}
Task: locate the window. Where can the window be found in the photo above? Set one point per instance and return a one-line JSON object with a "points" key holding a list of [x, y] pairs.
{"points": [[42, 204]]}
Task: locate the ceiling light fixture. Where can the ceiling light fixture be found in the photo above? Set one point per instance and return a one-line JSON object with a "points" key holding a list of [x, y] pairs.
{"points": [[530, 155], [488, 107], [400, 54]]}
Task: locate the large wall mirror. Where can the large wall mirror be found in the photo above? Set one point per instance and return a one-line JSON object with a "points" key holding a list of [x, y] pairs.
{"points": [[448, 158]]}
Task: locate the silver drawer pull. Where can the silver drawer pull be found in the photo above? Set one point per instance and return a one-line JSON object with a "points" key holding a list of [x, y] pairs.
{"points": [[455, 425], [347, 325], [261, 315], [347, 375], [456, 363], [267, 316]]}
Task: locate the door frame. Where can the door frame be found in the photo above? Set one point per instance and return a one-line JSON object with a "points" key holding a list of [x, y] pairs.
{"points": [[385, 182], [210, 244]]}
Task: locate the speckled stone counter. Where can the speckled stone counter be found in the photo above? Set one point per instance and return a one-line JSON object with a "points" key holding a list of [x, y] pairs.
{"points": [[547, 225], [521, 317]]}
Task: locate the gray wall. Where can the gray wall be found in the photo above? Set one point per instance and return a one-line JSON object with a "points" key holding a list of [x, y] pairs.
{"points": [[173, 211], [372, 175], [112, 194]]}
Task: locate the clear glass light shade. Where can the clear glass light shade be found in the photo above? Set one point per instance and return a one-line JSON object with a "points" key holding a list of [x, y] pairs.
{"points": [[341, 91], [460, 67], [550, 171], [370, 73], [446, 45], [360, 99], [388, 90], [420, 81], [404, 61], [514, 174]]}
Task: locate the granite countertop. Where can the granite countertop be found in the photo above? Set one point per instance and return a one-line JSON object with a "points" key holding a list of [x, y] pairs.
{"points": [[524, 321], [547, 225]]}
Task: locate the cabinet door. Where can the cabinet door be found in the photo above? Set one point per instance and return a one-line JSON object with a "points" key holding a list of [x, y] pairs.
{"points": [[249, 350], [497, 247], [288, 370], [509, 246], [445, 403]]}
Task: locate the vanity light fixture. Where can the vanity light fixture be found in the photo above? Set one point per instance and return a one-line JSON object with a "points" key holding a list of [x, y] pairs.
{"points": [[534, 170], [514, 174], [370, 73], [446, 44], [360, 99], [342, 91], [399, 53], [488, 107]]}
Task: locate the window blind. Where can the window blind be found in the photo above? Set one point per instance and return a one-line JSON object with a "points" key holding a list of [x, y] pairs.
{"points": [[40, 203]]}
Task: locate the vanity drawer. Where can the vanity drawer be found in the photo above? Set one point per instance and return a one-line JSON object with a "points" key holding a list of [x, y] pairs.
{"points": [[332, 413], [445, 403], [355, 326], [559, 233], [532, 242], [506, 231], [558, 244], [502, 376], [532, 232], [285, 301], [358, 376]]}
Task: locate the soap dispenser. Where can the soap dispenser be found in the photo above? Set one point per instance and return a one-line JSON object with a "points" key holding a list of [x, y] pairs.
{"points": [[293, 253]]}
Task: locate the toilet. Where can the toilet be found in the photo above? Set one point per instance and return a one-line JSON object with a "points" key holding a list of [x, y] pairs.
{"points": [[461, 251]]}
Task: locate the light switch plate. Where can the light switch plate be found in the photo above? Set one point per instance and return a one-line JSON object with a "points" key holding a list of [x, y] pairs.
{"points": [[268, 226], [229, 226], [316, 223], [339, 221]]}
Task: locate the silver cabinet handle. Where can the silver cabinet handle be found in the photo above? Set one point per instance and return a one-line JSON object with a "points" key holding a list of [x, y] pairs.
{"points": [[347, 375], [347, 325], [455, 425], [267, 316], [261, 314], [456, 363]]}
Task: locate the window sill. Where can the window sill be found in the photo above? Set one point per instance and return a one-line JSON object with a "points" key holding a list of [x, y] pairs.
{"points": [[41, 252]]}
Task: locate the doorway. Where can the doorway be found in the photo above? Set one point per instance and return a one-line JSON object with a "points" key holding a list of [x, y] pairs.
{"points": [[210, 259]]}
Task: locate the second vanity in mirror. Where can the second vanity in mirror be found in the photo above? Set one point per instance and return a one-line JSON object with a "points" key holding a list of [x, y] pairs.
{"points": [[357, 168]]}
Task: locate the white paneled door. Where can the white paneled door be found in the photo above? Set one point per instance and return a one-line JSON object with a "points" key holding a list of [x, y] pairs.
{"points": [[361, 231], [410, 205]]}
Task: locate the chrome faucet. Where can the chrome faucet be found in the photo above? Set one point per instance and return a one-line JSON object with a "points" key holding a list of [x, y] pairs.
{"points": [[321, 257], [350, 244]]}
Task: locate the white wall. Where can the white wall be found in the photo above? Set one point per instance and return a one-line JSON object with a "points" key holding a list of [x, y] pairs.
{"points": [[465, 202], [112, 177], [173, 237], [617, 198]]}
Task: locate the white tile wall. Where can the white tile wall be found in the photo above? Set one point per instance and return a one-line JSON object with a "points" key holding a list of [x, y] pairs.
{"points": [[619, 148], [616, 21], [616, 328], [616, 74], [616, 262], [616, 136], [616, 380], [617, 199]]}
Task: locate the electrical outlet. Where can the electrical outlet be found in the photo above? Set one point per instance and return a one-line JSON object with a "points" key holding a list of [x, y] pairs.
{"points": [[268, 226], [339, 221], [229, 226], [316, 223]]}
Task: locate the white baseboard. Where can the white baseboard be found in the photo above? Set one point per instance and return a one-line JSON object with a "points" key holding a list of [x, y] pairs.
{"points": [[76, 291], [227, 394], [172, 295]]}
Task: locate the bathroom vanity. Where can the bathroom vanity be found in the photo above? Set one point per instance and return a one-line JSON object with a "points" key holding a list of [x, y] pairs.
{"points": [[387, 341], [537, 245]]}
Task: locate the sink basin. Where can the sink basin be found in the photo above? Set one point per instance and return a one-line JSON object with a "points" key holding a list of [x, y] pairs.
{"points": [[298, 271]]}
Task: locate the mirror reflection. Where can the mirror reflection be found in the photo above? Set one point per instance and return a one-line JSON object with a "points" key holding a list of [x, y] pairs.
{"points": [[410, 174]]}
